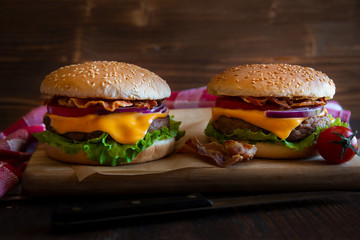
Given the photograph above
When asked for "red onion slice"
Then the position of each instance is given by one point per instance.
(162, 108)
(294, 113)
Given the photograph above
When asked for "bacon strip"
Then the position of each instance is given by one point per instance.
(85, 103)
(222, 155)
(109, 105)
(255, 101)
(236, 151)
(285, 103)
(318, 102)
(282, 103)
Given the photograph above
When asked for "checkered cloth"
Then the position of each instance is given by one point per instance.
(16, 146)
(17, 143)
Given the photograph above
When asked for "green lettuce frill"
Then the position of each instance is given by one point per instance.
(107, 151)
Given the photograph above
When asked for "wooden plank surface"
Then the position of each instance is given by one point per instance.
(185, 173)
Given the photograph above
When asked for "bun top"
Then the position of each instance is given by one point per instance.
(107, 80)
(272, 80)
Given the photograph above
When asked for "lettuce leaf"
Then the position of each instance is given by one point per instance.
(107, 151)
(253, 137)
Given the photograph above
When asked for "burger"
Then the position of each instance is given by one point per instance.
(107, 113)
(280, 108)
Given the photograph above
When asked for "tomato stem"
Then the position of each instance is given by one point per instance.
(345, 143)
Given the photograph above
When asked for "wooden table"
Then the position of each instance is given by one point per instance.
(185, 42)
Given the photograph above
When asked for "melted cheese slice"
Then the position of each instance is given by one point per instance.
(281, 127)
(126, 128)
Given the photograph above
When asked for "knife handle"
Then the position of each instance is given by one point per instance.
(106, 213)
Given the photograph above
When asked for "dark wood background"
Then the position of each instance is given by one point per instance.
(186, 42)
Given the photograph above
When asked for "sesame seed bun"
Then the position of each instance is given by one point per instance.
(107, 80)
(272, 80)
(156, 151)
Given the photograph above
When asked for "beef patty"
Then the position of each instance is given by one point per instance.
(157, 124)
(307, 127)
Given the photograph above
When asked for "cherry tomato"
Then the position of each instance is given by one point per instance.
(233, 103)
(337, 144)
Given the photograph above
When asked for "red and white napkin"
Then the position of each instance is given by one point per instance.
(17, 143)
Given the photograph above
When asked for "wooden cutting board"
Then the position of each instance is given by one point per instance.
(184, 173)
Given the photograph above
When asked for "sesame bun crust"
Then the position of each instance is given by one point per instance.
(277, 151)
(272, 80)
(107, 80)
(156, 151)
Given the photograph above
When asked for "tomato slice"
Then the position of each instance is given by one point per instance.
(236, 103)
(72, 111)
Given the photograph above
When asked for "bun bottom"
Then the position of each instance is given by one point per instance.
(158, 150)
(277, 151)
